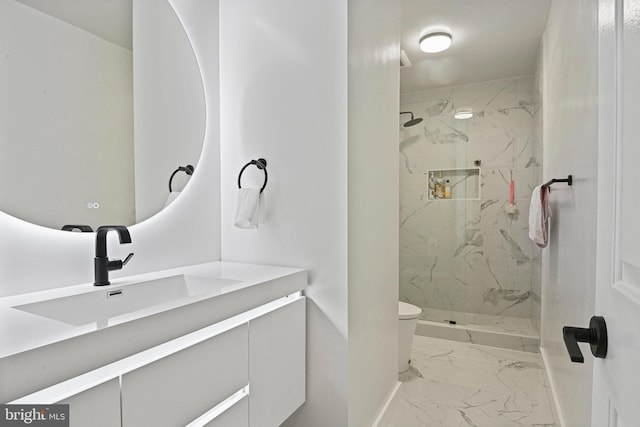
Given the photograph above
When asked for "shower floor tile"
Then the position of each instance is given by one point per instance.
(452, 384)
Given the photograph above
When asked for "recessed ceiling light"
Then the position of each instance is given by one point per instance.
(435, 42)
(463, 114)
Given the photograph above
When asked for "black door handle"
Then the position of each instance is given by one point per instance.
(596, 335)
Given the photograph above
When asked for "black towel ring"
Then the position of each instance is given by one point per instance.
(260, 164)
(186, 169)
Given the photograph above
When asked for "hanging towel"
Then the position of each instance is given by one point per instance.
(539, 214)
(171, 198)
(248, 212)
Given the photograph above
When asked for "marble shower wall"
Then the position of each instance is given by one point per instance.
(469, 255)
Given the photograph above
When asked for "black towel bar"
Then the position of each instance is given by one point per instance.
(260, 164)
(568, 180)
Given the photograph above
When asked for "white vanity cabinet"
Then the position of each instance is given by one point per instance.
(277, 364)
(179, 388)
(236, 416)
(99, 406)
(245, 371)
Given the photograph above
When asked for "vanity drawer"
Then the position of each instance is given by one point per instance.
(277, 366)
(98, 406)
(181, 387)
(236, 416)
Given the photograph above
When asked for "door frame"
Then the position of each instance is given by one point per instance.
(615, 294)
(607, 165)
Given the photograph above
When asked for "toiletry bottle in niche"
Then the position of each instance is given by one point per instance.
(447, 189)
(440, 187)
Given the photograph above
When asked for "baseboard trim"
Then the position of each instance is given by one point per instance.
(552, 385)
(387, 403)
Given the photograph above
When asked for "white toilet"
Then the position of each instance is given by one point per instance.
(407, 320)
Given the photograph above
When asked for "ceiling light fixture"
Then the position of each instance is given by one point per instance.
(435, 42)
(463, 114)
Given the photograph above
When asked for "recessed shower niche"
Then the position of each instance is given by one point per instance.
(454, 184)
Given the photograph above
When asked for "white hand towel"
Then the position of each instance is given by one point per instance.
(248, 211)
(171, 198)
(539, 214)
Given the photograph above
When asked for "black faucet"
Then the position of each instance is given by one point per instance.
(102, 264)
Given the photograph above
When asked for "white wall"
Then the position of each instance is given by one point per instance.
(284, 98)
(538, 131)
(187, 232)
(373, 31)
(570, 91)
(168, 105)
(66, 132)
(287, 93)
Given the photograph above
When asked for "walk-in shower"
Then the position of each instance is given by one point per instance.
(465, 256)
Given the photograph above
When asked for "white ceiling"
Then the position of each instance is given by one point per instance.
(492, 39)
(110, 20)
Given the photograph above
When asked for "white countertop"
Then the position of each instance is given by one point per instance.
(22, 331)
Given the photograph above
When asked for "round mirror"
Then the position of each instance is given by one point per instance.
(102, 103)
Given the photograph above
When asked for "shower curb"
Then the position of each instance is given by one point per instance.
(478, 335)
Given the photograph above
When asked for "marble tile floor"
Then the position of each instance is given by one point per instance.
(453, 384)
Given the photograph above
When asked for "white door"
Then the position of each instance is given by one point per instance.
(616, 383)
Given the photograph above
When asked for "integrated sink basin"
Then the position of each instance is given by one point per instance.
(106, 303)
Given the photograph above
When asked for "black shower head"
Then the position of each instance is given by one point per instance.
(412, 121)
